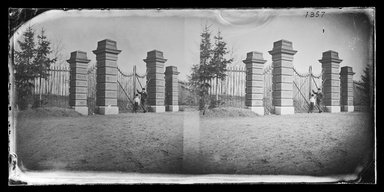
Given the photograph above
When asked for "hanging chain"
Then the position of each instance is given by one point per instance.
(268, 69)
(141, 76)
(92, 69)
(319, 75)
(300, 74)
(123, 74)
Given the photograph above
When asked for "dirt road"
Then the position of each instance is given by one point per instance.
(300, 144)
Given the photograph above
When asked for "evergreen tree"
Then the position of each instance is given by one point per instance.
(201, 73)
(213, 64)
(219, 62)
(42, 61)
(23, 67)
(31, 62)
(365, 85)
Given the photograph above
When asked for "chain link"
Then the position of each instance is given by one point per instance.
(123, 74)
(91, 69)
(141, 76)
(317, 76)
(300, 74)
(268, 69)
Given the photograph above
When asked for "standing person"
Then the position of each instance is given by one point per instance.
(312, 101)
(319, 97)
(136, 101)
(143, 98)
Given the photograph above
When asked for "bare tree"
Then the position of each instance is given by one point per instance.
(57, 51)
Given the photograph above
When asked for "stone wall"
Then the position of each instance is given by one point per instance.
(346, 79)
(106, 81)
(331, 80)
(171, 88)
(155, 78)
(254, 91)
(78, 89)
(282, 79)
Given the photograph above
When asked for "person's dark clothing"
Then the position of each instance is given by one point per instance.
(135, 107)
(143, 98)
(319, 97)
(310, 107)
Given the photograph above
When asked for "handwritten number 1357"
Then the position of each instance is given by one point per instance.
(315, 14)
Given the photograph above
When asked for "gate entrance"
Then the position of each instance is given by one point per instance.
(303, 85)
(127, 87)
(128, 84)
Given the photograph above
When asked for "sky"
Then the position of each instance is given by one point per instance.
(176, 33)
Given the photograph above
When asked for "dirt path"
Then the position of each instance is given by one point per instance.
(124, 142)
(317, 144)
(311, 144)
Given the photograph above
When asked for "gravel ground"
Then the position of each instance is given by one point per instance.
(300, 144)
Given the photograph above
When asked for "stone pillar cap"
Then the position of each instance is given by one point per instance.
(331, 53)
(282, 46)
(255, 57)
(283, 43)
(346, 70)
(78, 56)
(330, 56)
(171, 70)
(107, 45)
(155, 55)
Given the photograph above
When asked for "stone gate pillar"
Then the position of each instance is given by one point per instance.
(106, 80)
(254, 91)
(155, 78)
(331, 81)
(346, 78)
(171, 88)
(78, 81)
(282, 77)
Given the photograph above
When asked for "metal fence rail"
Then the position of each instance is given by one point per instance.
(231, 91)
(53, 91)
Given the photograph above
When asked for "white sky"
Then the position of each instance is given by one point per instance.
(177, 34)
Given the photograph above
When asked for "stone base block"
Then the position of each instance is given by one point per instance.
(81, 110)
(157, 109)
(172, 108)
(107, 110)
(348, 108)
(333, 109)
(284, 110)
(361, 108)
(257, 110)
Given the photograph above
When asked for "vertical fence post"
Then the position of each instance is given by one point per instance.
(233, 84)
(106, 79)
(134, 81)
(346, 78)
(282, 77)
(155, 77)
(54, 84)
(255, 83)
(331, 86)
(310, 81)
(79, 84)
(62, 81)
(171, 89)
(40, 91)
